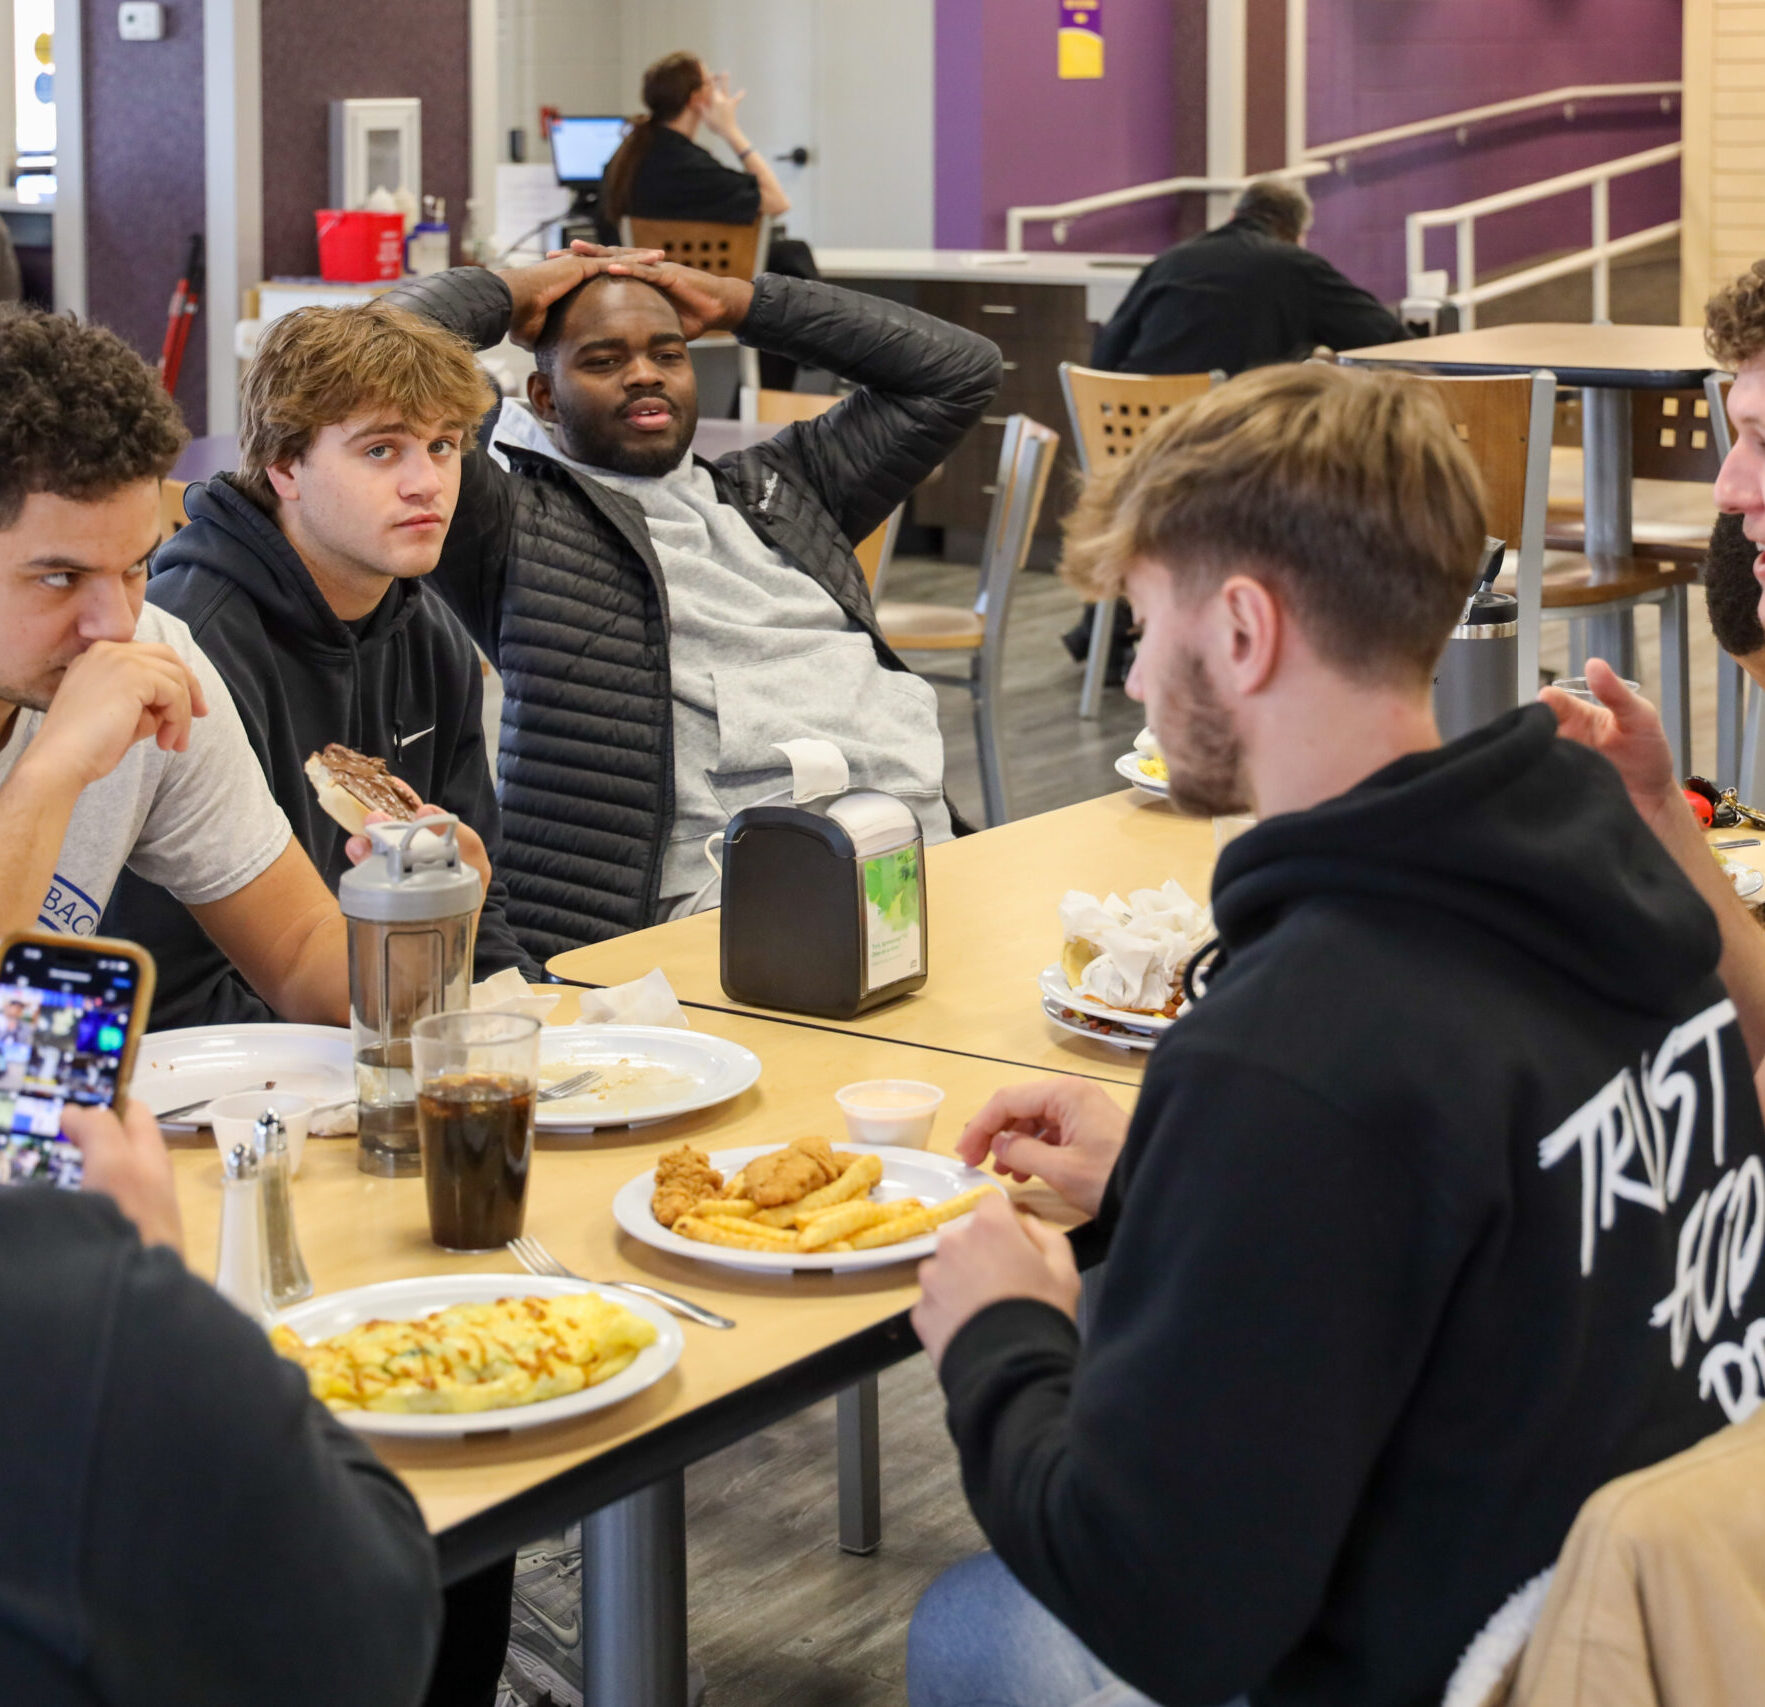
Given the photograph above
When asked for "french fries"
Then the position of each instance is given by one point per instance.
(837, 1217)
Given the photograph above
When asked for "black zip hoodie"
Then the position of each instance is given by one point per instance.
(1441, 1209)
(407, 688)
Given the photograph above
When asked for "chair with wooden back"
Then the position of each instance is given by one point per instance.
(1026, 459)
(731, 251)
(1505, 422)
(876, 549)
(1109, 413)
(172, 514)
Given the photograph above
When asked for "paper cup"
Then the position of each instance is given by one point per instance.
(234, 1120)
(890, 1111)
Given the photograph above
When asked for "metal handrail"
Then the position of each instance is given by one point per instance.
(1325, 156)
(1598, 255)
(1063, 212)
(1565, 97)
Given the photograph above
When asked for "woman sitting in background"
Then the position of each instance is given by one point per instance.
(660, 172)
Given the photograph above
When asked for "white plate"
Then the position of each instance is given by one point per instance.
(1748, 880)
(906, 1173)
(1127, 767)
(1119, 1038)
(173, 1068)
(405, 1300)
(1054, 987)
(652, 1072)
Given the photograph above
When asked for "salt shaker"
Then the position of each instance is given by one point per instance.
(239, 1269)
(285, 1280)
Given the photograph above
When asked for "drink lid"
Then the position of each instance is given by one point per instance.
(414, 874)
(1488, 607)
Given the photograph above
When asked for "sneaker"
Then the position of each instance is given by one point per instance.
(544, 1666)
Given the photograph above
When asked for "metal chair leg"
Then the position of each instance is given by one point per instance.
(986, 746)
(1097, 659)
(1731, 719)
(860, 1465)
(1676, 678)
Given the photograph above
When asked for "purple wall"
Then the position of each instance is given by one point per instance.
(317, 51)
(1374, 65)
(143, 135)
(1010, 132)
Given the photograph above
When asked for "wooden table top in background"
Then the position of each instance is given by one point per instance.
(991, 907)
(355, 1229)
(1651, 358)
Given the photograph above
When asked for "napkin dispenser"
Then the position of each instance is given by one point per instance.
(824, 905)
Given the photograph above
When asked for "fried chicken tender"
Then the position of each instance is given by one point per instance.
(788, 1174)
(684, 1179)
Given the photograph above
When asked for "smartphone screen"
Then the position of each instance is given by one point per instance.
(64, 1028)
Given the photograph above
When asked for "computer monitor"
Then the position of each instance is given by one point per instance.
(581, 147)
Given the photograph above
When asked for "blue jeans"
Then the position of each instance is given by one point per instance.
(980, 1639)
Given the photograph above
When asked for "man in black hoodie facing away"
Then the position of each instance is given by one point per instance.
(1441, 1207)
(301, 579)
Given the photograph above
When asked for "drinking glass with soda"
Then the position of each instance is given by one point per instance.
(477, 1074)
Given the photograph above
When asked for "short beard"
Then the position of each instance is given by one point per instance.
(1207, 772)
(584, 441)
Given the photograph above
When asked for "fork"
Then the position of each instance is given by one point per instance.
(570, 1086)
(536, 1259)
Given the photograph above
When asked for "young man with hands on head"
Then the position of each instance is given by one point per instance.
(301, 578)
(662, 622)
(119, 744)
(1386, 1297)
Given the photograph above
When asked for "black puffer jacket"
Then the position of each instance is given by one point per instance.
(555, 577)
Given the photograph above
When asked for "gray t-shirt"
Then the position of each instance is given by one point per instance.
(760, 653)
(201, 823)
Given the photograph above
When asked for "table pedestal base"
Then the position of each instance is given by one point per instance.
(634, 1600)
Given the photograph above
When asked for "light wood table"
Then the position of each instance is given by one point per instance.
(991, 901)
(799, 1338)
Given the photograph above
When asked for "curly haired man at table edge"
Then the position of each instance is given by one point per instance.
(1386, 1297)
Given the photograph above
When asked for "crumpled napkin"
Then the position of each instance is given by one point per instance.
(648, 1000)
(1131, 954)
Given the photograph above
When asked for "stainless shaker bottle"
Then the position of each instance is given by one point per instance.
(412, 907)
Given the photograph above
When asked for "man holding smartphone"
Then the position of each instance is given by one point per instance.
(119, 744)
(161, 1431)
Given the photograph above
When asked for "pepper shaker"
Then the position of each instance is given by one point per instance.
(239, 1268)
(285, 1280)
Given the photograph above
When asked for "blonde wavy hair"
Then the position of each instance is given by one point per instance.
(1346, 489)
(317, 367)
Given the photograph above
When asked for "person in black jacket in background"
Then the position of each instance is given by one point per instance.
(660, 621)
(182, 1521)
(1440, 1207)
(1242, 296)
(301, 579)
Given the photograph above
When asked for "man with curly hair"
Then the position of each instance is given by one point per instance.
(119, 744)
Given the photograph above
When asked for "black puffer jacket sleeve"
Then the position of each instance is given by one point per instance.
(474, 304)
(923, 384)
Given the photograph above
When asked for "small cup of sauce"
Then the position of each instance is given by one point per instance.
(890, 1111)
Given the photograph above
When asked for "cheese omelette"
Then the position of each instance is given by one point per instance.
(472, 1357)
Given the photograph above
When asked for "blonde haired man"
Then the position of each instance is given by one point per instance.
(301, 579)
(1404, 1233)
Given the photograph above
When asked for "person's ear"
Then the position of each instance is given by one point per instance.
(1251, 630)
(284, 479)
(539, 395)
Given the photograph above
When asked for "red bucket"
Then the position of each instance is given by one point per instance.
(360, 248)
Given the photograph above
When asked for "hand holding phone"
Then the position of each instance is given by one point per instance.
(127, 1160)
(71, 1014)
